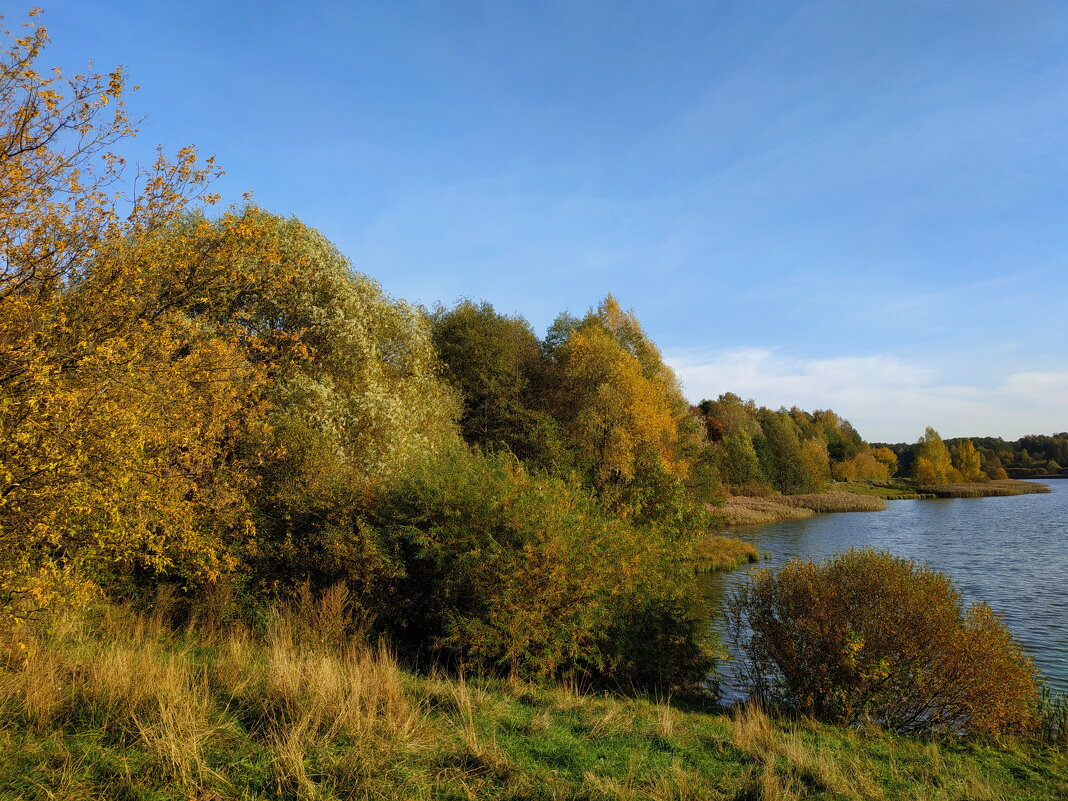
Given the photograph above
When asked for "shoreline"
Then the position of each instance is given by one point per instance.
(750, 510)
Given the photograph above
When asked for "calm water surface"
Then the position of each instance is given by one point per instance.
(1010, 552)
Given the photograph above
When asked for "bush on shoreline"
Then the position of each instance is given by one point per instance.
(869, 637)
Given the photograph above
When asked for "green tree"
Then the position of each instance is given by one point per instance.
(784, 458)
(740, 463)
(496, 365)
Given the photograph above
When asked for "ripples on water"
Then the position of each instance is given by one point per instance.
(1009, 552)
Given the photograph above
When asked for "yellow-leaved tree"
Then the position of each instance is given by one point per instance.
(933, 464)
(623, 411)
(119, 405)
(968, 461)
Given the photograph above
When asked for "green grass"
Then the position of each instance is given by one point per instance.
(890, 490)
(119, 707)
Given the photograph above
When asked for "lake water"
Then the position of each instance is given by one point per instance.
(1010, 552)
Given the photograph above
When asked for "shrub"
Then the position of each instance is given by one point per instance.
(870, 637)
(528, 574)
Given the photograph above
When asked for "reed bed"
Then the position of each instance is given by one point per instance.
(723, 553)
(986, 489)
(836, 502)
(748, 511)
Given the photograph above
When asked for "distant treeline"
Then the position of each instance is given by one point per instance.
(1033, 456)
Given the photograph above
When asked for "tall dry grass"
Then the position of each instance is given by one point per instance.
(747, 511)
(986, 489)
(300, 689)
(836, 502)
(722, 553)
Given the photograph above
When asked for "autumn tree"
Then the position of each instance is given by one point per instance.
(732, 414)
(624, 415)
(887, 457)
(933, 464)
(115, 404)
(968, 462)
(861, 467)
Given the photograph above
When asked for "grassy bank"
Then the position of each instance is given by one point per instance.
(119, 707)
(986, 489)
(723, 553)
(893, 490)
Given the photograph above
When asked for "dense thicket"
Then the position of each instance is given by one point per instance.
(758, 450)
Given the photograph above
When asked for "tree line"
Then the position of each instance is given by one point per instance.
(983, 458)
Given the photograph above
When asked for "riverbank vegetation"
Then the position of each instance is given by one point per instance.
(990, 489)
(750, 511)
(866, 637)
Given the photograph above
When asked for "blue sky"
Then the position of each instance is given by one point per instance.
(856, 205)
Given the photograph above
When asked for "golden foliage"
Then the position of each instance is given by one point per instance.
(624, 407)
(869, 637)
(933, 464)
(862, 467)
(968, 461)
(116, 408)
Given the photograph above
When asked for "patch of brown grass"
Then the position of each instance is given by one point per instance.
(745, 510)
(986, 489)
(836, 502)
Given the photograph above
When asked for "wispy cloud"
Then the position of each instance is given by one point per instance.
(885, 397)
